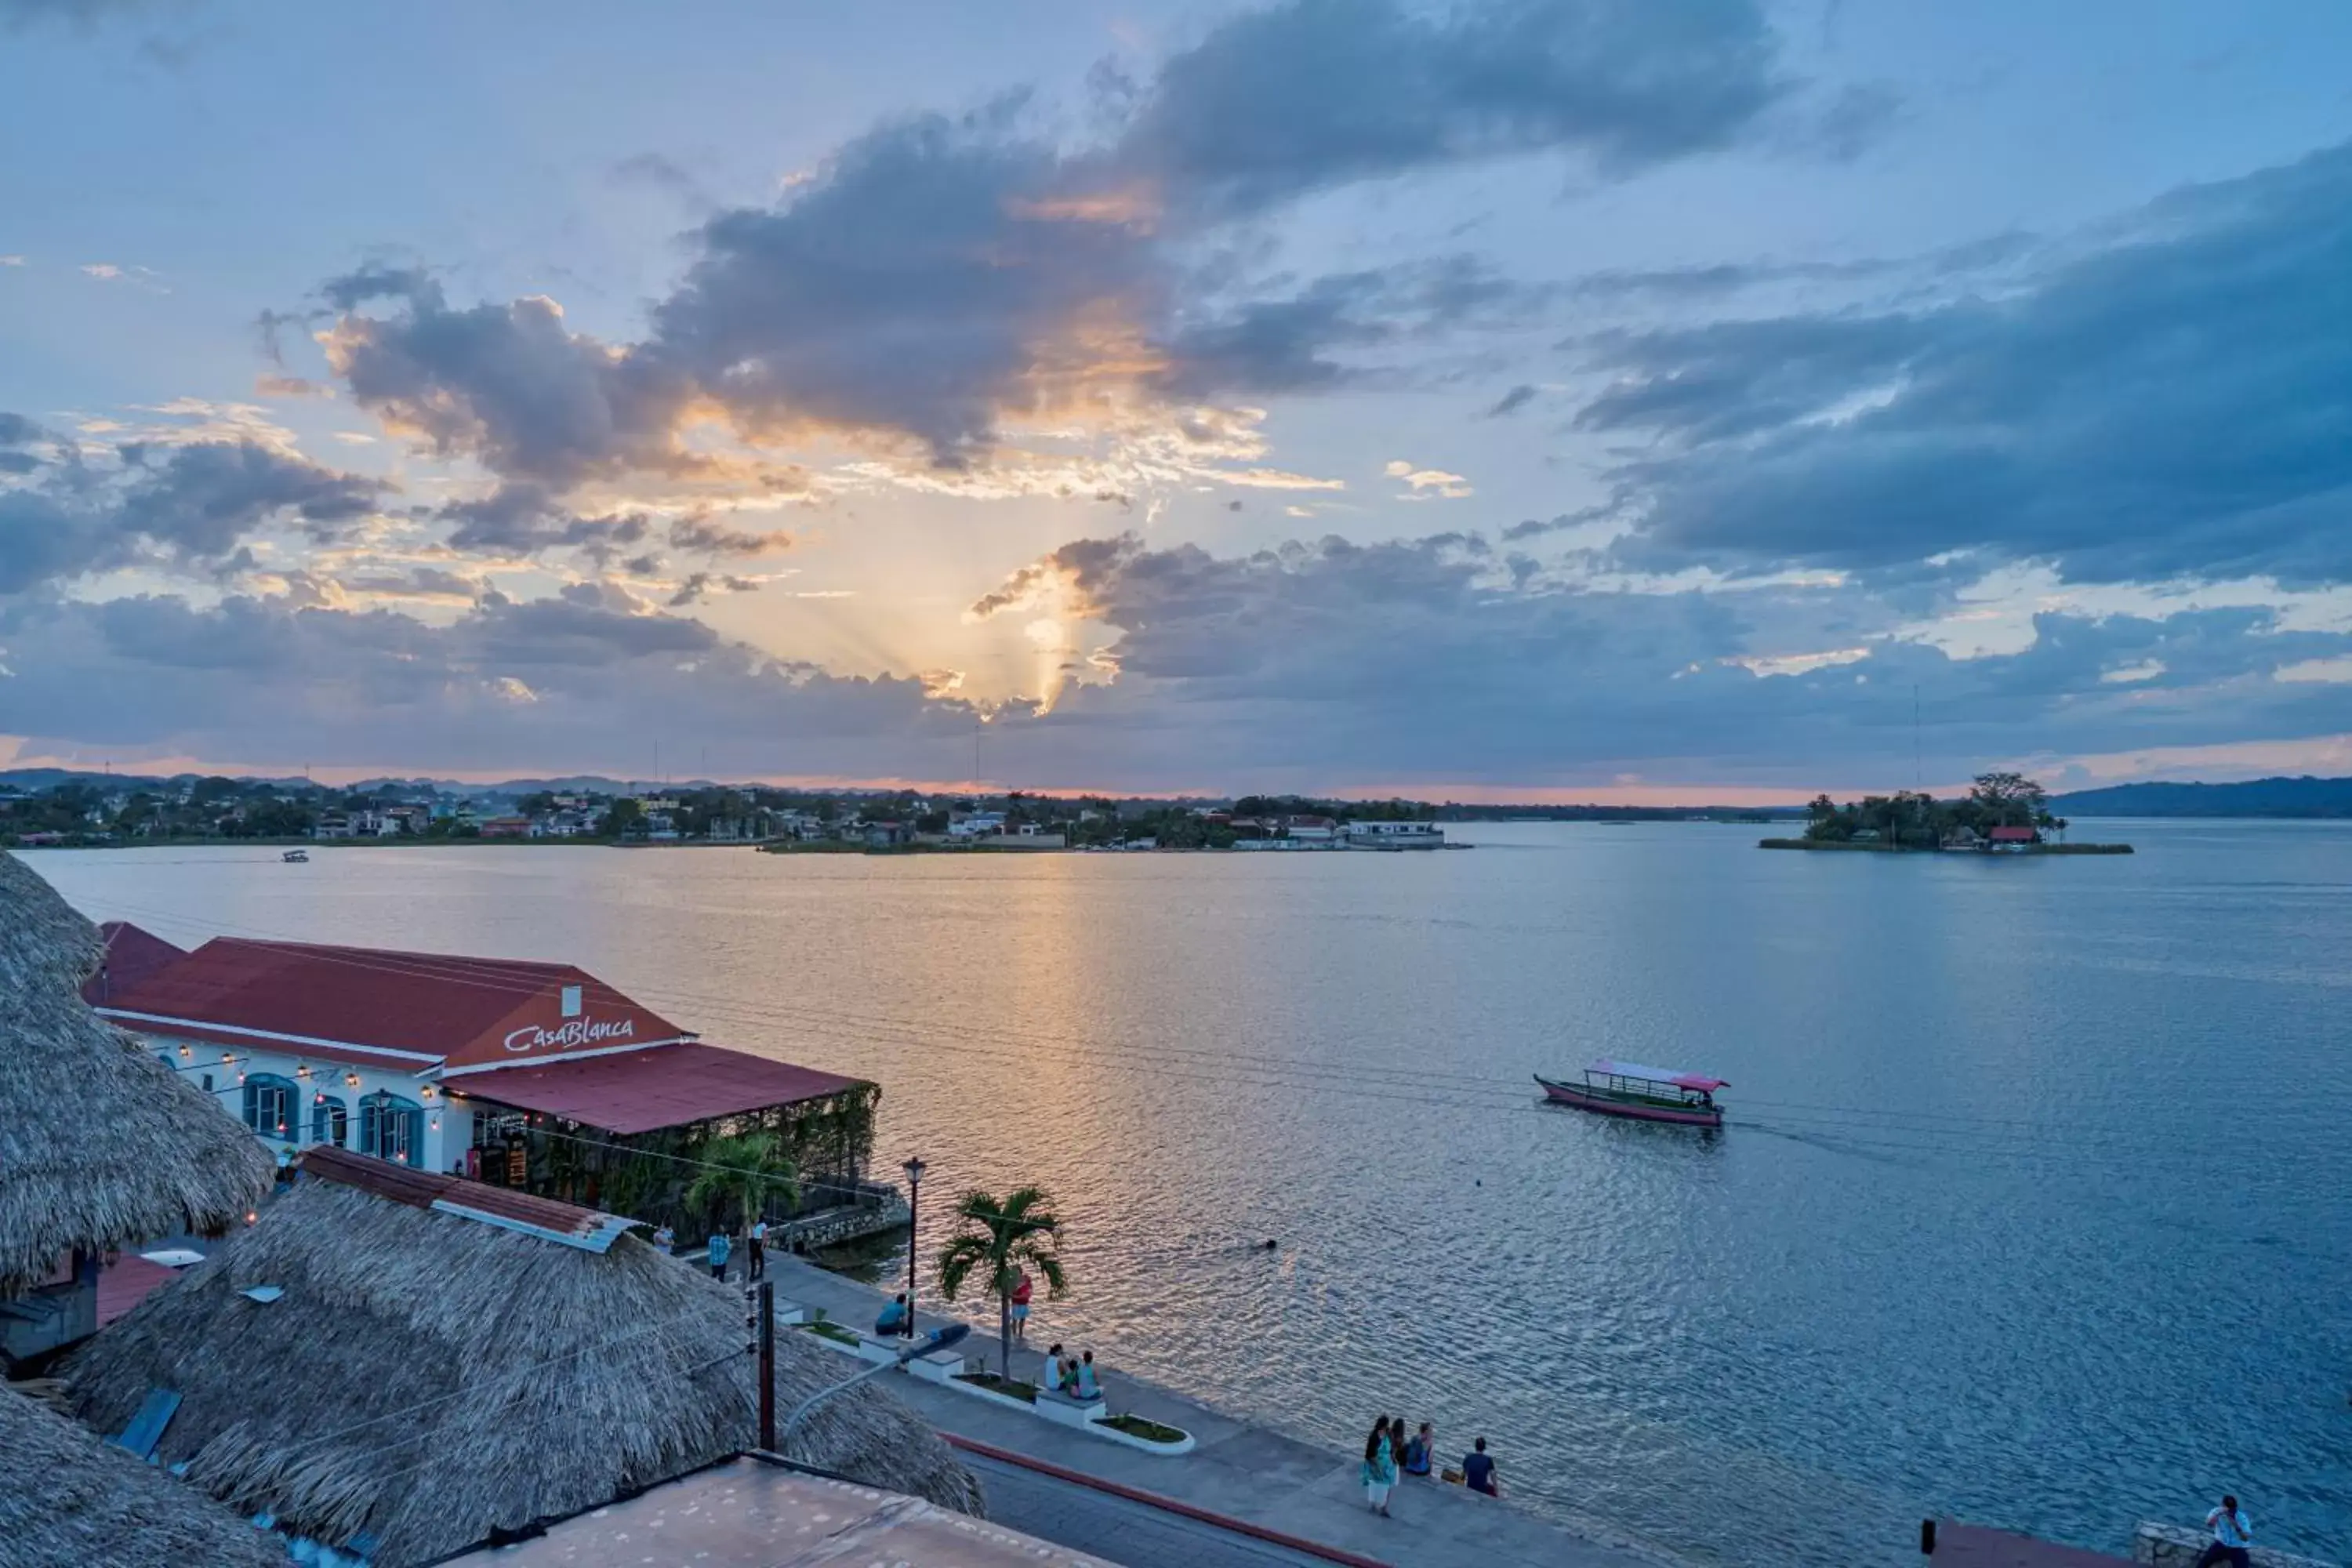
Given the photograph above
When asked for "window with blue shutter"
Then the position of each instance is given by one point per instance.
(330, 1123)
(391, 1128)
(269, 1102)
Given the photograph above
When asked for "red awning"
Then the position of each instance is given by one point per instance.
(638, 1091)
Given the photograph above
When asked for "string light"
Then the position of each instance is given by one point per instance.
(302, 1069)
(185, 1053)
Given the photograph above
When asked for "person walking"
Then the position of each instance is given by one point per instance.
(1478, 1470)
(760, 1249)
(1419, 1454)
(2233, 1535)
(1380, 1468)
(720, 1246)
(1021, 1291)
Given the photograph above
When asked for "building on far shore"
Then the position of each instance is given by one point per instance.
(529, 1075)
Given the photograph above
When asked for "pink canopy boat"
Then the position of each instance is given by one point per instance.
(1644, 1094)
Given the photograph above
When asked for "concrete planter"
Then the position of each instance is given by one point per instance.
(973, 1390)
(879, 1352)
(829, 1342)
(1183, 1445)
(1065, 1412)
(938, 1366)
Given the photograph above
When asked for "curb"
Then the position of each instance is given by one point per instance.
(1153, 1499)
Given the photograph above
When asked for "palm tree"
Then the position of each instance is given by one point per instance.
(998, 1239)
(747, 1168)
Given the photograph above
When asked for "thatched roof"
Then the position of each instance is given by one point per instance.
(101, 1144)
(64, 1497)
(429, 1376)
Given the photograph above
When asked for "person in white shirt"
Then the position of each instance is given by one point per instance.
(2232, 1535)
(758, 1248)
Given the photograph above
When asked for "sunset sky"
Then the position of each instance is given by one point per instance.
(1552, 398)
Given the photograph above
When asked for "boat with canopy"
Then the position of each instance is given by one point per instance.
(1642, 1093)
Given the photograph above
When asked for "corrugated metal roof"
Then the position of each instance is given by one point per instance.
(747, 1511)
(476, 1010)
(131, 955)
(638, 1091)
(590, 1230)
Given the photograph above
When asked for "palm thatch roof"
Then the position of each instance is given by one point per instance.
(428, 1375)
(64, 1496)
(101, 1144)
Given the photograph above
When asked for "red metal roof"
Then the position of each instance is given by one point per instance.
(131, 955)
(468, 1011)
(545, 1217)
(127, 1281)
(2012, 835)
(637, 1091)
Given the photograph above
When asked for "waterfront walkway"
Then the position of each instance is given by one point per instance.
(1239, 1471)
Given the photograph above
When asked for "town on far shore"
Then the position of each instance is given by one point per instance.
(84, 813)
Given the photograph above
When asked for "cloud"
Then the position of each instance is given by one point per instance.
(192, 507)
(508, 385)
(1276, 103)
(2166, 404)
(262, 681)
(1511, 401)
(704, 535)
(1433, 659)
(1428, 484)
(939, 276)
(525, 519)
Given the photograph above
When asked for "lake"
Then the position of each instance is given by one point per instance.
(2034, 1209)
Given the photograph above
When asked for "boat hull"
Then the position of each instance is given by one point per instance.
(1631, 1110)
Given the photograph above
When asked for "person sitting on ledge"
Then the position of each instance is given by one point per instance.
(893, 1319)
(1082, 1383)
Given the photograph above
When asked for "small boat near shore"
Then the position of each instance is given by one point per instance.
(1642, 1094)
(296, 857)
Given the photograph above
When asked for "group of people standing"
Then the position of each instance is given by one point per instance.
(1389, 1453)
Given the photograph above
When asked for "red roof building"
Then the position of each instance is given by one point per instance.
(525, 1073)
(131, 955)
(2013, 835)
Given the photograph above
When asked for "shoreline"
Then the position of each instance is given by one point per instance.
(1239, 1468)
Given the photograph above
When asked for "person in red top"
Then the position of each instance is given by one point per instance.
(1020, 1307)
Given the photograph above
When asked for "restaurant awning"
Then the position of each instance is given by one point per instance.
(639, 1092)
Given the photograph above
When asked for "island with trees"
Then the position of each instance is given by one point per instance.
(2003, 814)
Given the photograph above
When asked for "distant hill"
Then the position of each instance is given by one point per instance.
(2255, 797)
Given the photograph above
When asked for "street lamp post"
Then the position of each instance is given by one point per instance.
(914, 1168)
(938, 1339)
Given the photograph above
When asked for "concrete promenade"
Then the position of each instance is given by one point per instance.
(1240, 1471)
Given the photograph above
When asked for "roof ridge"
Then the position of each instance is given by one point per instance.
(552, 965)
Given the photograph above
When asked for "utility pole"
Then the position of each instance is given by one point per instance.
(764, 1298)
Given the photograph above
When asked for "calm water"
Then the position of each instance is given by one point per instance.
(2036, 1212)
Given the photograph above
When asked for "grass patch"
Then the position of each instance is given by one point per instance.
(1010, 1387)
(1150, 1431)
(831, 1330)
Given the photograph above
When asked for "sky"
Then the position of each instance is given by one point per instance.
(1547, 399)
